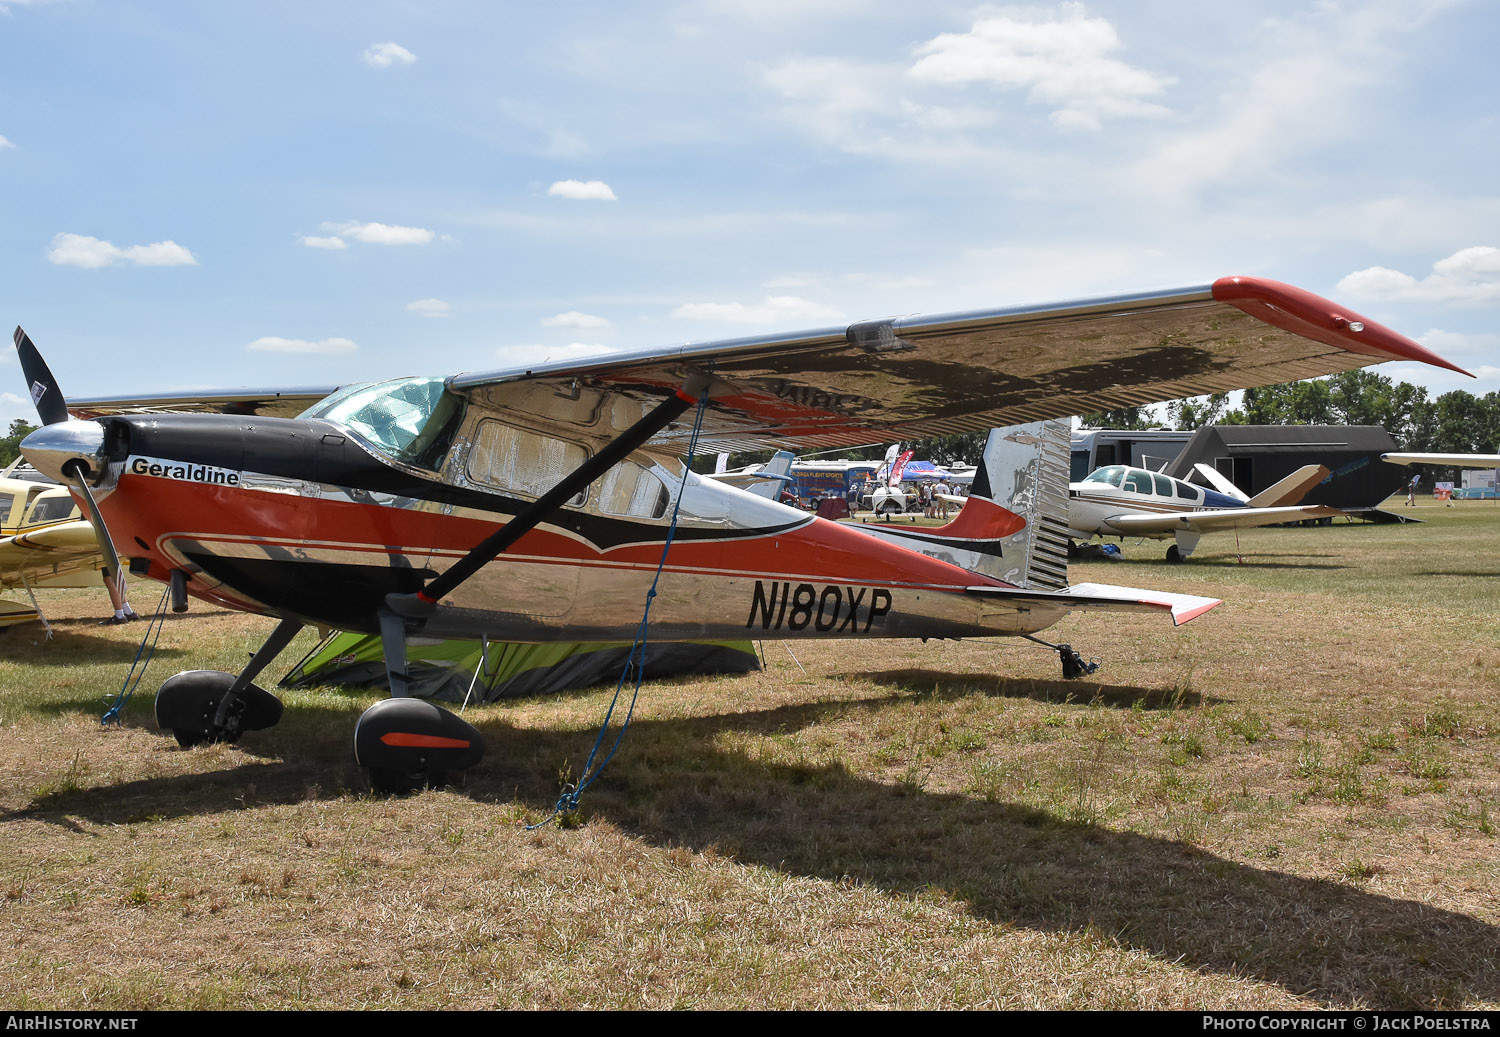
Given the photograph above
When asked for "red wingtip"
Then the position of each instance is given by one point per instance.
(1314, 317)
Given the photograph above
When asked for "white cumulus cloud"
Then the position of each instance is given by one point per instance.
(574, 319)
(1469, 276)
(275, 344)
(384, 55)
(5, 143)
(583, 190)
(378, 233)
(429, 308)
(1062, 61)
(92, 253)
(775, 309)
(333, 242)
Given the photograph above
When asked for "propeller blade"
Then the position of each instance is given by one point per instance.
(52, 408)
(48, 398)
(101, 531)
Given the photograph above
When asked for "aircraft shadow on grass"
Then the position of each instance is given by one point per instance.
(947, 686)
(1013, 865)
(1260, 562)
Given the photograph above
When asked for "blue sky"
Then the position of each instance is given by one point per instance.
(219, 194)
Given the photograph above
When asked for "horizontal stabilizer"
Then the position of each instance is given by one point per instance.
(1291, 489)
(1183, 607)
(1218, 481)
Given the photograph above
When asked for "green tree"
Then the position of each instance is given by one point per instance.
(1127, 418)
(1197, 411)
(10, 445)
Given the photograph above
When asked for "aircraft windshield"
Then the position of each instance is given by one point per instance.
(410, 419)
(1112, 475)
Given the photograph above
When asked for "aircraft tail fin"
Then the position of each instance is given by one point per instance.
(774, 472)
(1024, 472)
(1291, 489)
(1220, 483)
(1013, 526)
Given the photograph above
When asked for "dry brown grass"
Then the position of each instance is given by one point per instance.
(1291, 802)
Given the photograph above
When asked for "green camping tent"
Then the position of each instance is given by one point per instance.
(445, 669)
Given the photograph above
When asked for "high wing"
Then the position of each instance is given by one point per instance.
(917, 377)
(921, 376)
(1210, 521)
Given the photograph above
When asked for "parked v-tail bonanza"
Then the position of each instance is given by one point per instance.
(1120, 501)
(43, 542)
(539, 504)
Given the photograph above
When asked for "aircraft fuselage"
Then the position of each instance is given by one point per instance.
(1121, 490)
(303, 519)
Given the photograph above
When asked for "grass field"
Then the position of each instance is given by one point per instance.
(1289, 803)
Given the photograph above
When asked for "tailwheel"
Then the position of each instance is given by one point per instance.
(406, 744)
(188, 705)
(1073, 664)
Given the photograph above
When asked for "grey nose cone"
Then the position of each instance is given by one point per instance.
(54, 449)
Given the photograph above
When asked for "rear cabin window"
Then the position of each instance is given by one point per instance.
(521, 461)
(1163, 485)
(1188, 492)
(50, 509)
(629, 490)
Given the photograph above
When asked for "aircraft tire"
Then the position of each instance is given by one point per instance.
(187, 703)
(407, 744)
(1174, 556)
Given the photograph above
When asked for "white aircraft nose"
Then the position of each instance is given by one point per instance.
(54, 449)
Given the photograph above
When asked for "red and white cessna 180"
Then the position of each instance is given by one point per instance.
(535, 504)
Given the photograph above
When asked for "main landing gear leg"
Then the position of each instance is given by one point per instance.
(1073, 665)
(406, 744)
(201, 706)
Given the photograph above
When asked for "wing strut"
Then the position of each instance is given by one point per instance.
(424, 602)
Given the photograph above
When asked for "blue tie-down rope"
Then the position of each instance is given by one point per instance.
(133, 678)
(567, 803)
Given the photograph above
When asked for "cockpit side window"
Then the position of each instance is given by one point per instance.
(1163, 486)
(1139, 482)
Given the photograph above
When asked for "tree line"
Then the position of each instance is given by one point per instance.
(1456, 422)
